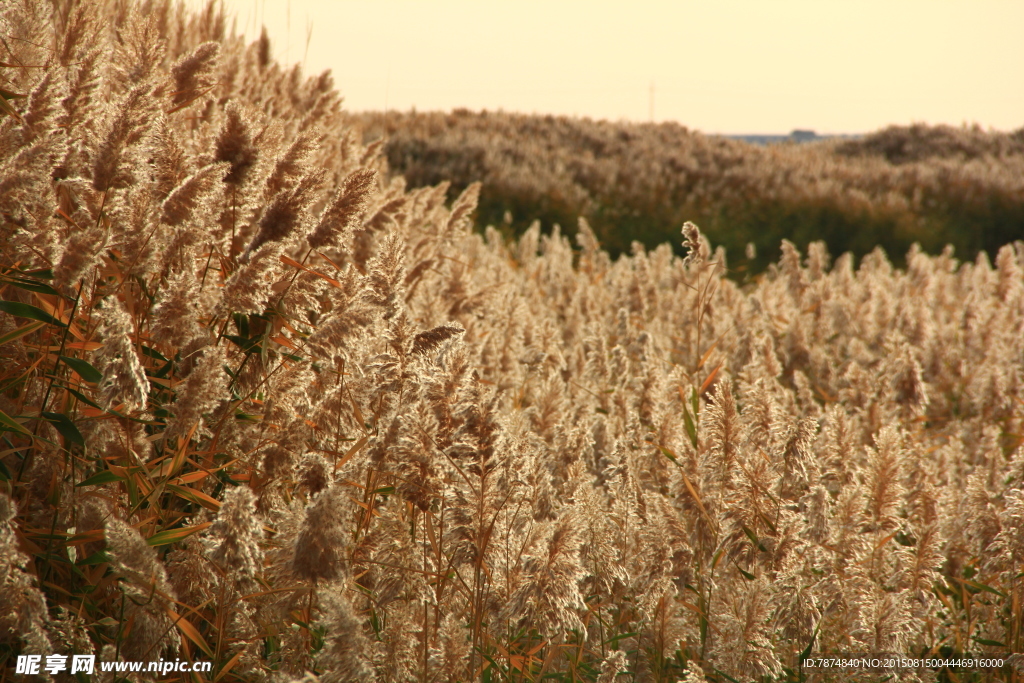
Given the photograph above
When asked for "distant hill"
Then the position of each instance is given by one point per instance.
(795, 136)
(935, 185)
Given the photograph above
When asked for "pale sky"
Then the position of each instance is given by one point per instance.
(719, 66)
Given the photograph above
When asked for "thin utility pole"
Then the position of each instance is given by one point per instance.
(309, 38)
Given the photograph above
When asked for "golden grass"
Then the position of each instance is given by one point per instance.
(263, 406)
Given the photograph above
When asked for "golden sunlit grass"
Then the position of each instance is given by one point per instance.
(261, 405)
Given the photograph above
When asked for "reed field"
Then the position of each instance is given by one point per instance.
(265, 404)
(931, 185)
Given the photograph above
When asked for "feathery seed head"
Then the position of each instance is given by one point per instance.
(182, 201)
(117, 159)
(236, 534)
(236, 144)
(697, 245)
(193, 72)
(321, 543)
(286, 211)
(344, 210)
(147, 586)
(124, 379)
